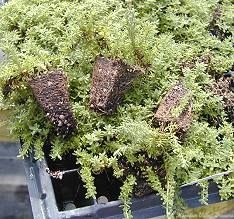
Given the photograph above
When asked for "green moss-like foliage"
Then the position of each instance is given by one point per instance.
(158, 36)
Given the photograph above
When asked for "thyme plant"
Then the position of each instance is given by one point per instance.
(158, 36)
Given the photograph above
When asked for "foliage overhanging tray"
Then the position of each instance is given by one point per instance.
(45, 201)
(190, 42)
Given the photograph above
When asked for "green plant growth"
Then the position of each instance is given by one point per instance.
(40, 35)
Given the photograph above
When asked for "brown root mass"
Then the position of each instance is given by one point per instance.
(191, 64)
(185, 119)
(51, 92)
(110, 81)
(223, 88)
(170, 101)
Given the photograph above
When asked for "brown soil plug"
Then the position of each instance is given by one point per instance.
(223, 88)
(191, 64)
(110, 81)
(51, 92)
(173, 99)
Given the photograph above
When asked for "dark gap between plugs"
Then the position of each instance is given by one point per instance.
(69, 191)
(107, 186)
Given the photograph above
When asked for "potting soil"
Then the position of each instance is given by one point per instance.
(51, 93)
(172, 100)
(110, 80)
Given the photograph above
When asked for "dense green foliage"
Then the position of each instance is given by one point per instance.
(158, 36)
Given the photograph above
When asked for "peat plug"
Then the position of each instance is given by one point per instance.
(51, 92)
(172, 100)
(224, 88)
(110, 81)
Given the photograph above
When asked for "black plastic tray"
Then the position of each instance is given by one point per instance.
(44, 204)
